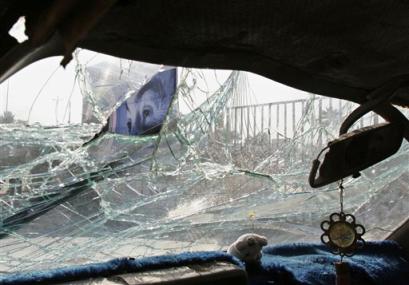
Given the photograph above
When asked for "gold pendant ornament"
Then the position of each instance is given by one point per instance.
(342, 234)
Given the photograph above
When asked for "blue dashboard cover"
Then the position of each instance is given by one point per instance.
(290, 264)
(115, 267)
(312, 264)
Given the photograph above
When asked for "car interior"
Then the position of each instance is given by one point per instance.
(204, 142)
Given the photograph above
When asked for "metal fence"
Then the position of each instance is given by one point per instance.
(317, 120)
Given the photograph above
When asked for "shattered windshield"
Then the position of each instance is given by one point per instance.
(230, 155)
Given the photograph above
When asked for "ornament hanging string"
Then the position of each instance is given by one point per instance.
(341, 195)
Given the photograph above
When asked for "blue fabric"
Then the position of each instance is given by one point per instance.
(115, 266)
(290, 264)
(377, 263)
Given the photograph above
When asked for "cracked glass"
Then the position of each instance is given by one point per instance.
(222, 165)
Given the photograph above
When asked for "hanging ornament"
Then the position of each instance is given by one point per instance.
(341, 232)
(343, 236)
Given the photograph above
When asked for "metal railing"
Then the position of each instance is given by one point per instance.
(316, 120)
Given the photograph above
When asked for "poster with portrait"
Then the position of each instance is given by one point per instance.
(144, 111)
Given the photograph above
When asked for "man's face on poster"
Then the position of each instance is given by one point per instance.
(146, 112)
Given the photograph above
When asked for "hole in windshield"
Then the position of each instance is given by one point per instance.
(18, 30)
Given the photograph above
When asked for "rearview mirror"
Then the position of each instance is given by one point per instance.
(355, 151)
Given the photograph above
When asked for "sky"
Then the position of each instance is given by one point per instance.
(46, 93)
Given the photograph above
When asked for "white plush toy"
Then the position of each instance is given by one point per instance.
(248, 248)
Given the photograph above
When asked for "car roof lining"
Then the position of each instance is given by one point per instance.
(334, 48)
